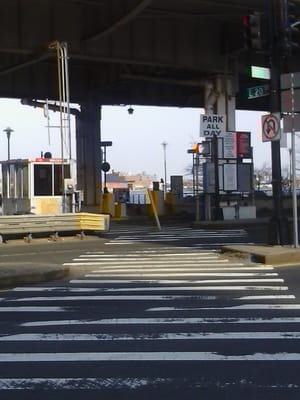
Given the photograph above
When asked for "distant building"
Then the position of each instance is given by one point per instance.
(121, 180)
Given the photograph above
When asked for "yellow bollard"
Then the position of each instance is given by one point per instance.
(120, 210)
(169, 203)
(154, 209)
(107, 204)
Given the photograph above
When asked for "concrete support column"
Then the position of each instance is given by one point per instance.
(220, 99)
(88, 137)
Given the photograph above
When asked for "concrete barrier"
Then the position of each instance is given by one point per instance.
(53, 224)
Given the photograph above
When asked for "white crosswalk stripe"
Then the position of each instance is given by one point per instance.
(152, 307)
(171, 234)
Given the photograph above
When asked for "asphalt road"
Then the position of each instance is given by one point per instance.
(149, 314)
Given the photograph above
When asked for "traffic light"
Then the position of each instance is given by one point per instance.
(253, 31)
(291, 36)
(195, 148)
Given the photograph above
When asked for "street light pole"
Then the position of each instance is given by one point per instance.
(8, 131)
(164, 144)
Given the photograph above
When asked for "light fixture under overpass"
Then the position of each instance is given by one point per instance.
(8, 132)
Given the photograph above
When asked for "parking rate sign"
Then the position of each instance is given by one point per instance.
(212, 125)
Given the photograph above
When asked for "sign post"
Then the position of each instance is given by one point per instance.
(289, 82)
(213, 126)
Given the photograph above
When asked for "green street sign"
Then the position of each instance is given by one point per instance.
(254, 71)
(258, 91)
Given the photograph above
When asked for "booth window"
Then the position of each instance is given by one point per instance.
(4, 180)
(12, 181)
(25, 181)
(58, 184)
(19, 181)
(43, 180)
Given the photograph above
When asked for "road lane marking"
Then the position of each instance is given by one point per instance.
(186, 288)
(239, 307)
(147, 263)
(55, 289)
(169, 320)
(218, 268)
(268, 297)
(32, 309)
(79, 337)
(139, 239)
(161, 250)
(145, 356)
(80, 383)
(118, 383)
(157, 258)
(193, 284)
(149, 281)
(141, 298)
(114, 281)
(153, 297)
(155, 255)
(217, 274)
(165, 236)
(141, 273)
(201, 268)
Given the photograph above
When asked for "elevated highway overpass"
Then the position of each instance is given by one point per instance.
(146, 52)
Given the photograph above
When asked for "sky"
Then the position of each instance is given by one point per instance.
(137, 138)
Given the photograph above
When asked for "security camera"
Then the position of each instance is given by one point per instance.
(130, 110)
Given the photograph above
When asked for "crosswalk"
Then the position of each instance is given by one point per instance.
(199, 238)
(152, 319)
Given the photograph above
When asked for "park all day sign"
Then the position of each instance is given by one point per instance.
(212, 125)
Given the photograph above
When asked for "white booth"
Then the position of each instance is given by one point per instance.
(38, 186)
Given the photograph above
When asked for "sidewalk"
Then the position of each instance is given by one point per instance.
(271, 255)
(265, 254)
(231, 223)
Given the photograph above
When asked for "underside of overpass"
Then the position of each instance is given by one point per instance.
(145, 52)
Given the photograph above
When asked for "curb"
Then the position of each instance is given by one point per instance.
(231, 224)
(271, 255)
(9, 281)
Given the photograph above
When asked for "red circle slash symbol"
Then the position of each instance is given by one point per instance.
(270, 127)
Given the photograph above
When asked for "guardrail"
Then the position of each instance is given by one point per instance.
(53, 224)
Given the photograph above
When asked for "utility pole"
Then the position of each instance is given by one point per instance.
(64, 105)
(218, 215)
(278, 225)
(289, 21)
(164, 144)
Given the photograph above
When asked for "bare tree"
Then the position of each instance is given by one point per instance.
(262, 175)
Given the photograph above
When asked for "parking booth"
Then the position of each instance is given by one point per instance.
(38, 186)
